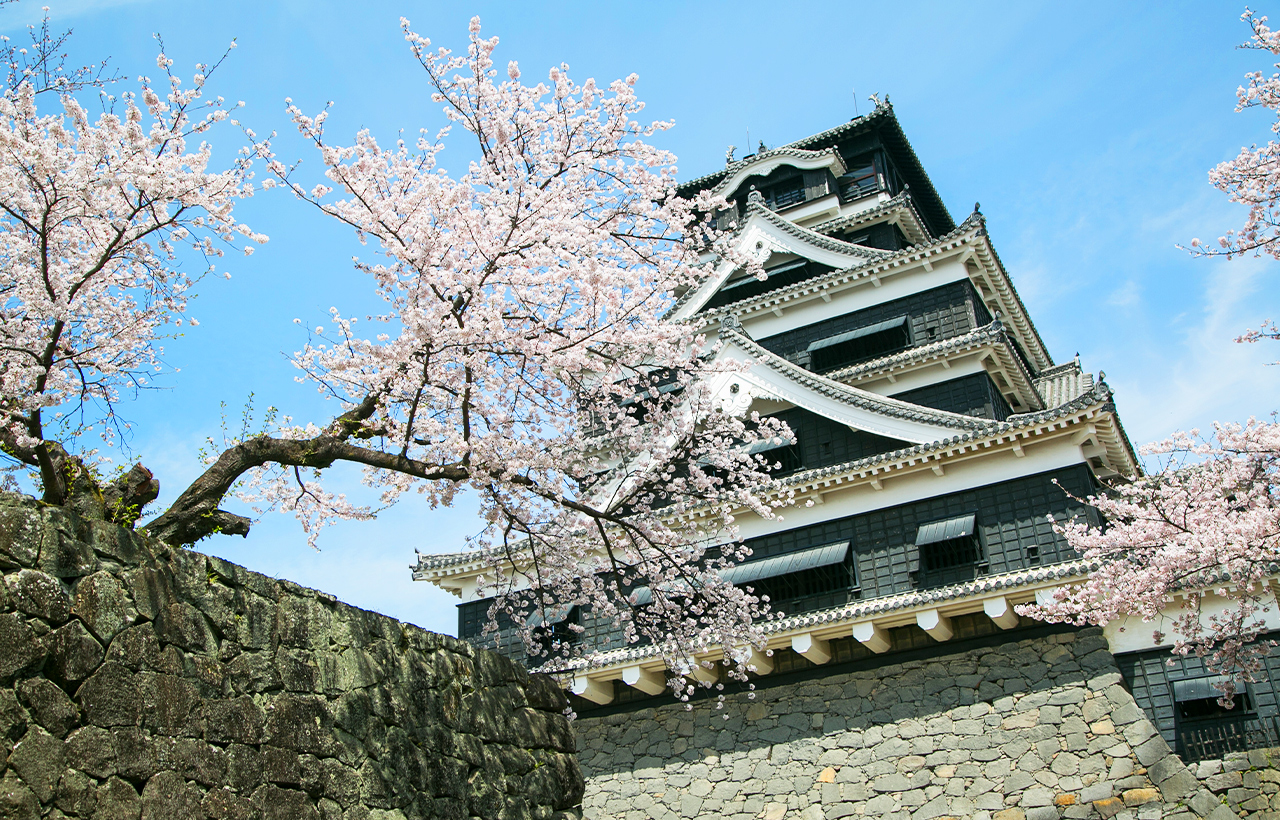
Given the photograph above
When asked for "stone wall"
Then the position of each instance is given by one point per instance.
(1248, 782)
(139, 682)
(1037, 729)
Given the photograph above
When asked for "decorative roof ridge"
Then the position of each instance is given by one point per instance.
(1124, 439)
(444, 560)
(1013, 424)
(899, 201)
(974, 221)
(847, 394)
(757, 208)
(903, 600)
(1059, 369)
(882, 605)
(715, 176)
(882, 110)
(1017, 298)
(993, 330)
(885, 110)
(730, 171)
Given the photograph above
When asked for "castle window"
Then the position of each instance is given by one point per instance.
(801, 581)
(785, 194)
(948, 552)
(553, 627)
(779, 276)
(859, 182)
(1206, 728)
(870, 342)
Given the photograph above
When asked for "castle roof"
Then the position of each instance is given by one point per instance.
(882, 122)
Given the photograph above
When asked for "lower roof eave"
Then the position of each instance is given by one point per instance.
(994, 595)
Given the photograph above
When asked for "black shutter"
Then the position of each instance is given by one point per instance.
(816, 184)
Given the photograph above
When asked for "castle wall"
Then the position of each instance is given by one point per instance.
(138, 681)
(1035, 729)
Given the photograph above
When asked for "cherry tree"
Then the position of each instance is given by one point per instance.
(1252, 178)
(1203, 531)
(92, 214)
(522, 354)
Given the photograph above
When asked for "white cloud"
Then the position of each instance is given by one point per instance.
(1196, 373)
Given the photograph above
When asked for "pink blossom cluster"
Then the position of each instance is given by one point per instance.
(1203, 529)
(523, 354)
(1253, 176)
(92, 214)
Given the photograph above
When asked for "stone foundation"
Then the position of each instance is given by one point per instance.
(1037, 729)
(139, 682)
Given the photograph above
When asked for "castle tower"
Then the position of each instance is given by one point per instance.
(936, 435)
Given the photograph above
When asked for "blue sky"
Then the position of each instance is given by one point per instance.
(1084, 129)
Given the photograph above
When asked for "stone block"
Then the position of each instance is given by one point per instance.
(49, 706)
(17, 802)
(174, 706)
(1097, 791)
(38, 759)
(1036, 797)
(1140, 797)
(62, 554)
(245, 768)
(224, 804)
(117, 800)
(1179, 785)
(103, 604)
(76, 794)
(40, 595)
(1152, 751)
(1223, 781)
(136, 754)
(238, 720)
(20, 649)
(111, 697)
(168, 797)
(91, 750)
(74, 654)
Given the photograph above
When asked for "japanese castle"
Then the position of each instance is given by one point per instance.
(936, 434)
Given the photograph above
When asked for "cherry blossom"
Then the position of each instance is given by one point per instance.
(93, 212)
(1205, 525)
(523, 356)
(1253, 176)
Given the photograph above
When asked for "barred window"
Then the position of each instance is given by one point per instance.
(948, 552)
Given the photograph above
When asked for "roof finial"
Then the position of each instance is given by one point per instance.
(730, 320)
(875, 99)
(728, 155)
(762, 148)
(997, 322)
(977, 207)
(755, 196)
(1102, 377)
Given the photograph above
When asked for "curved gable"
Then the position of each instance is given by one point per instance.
(765, 233)
(766, 163)
(772, 377)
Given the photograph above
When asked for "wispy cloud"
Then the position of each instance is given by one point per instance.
(1194, 372)
(1127, 295)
